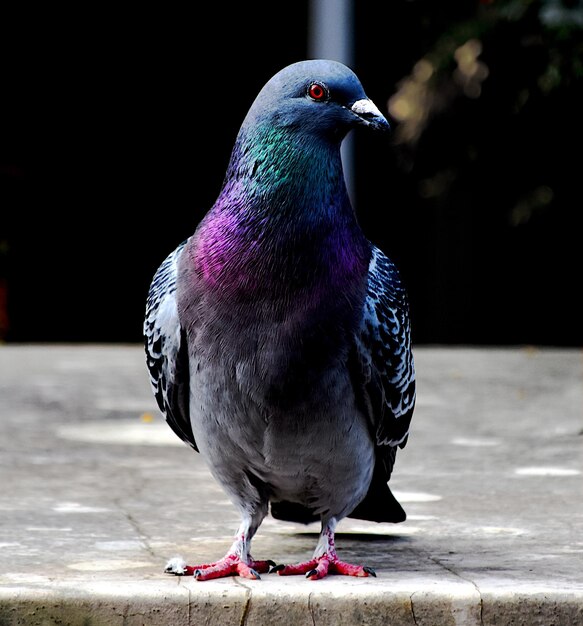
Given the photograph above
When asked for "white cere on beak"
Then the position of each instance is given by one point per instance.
(368, 112)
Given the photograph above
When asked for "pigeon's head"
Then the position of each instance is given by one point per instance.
(319, 97)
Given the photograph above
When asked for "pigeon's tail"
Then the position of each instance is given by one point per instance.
(379, 505)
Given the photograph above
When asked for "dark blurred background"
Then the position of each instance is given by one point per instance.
(120, 145)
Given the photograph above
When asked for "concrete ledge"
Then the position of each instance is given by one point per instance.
(97, 493)
(255, 603)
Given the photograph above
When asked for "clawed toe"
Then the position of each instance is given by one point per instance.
(274, 569)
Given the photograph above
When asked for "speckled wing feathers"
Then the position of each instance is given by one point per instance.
(384, 350)
(167, 351)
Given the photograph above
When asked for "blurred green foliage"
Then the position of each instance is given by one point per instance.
(532, 53)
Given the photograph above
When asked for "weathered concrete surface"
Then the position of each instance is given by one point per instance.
(96, 493)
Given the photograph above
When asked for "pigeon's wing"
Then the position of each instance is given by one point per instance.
(166, 349)
(385, 360)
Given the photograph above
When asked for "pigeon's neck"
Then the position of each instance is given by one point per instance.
(283, 220)
(278, 166)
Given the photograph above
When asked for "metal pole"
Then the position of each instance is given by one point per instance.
(331, 36)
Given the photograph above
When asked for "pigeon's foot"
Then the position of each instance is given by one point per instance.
(230, 565)
(322, 566)
(325, 560)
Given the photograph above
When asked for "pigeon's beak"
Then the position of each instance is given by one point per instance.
(369, 114)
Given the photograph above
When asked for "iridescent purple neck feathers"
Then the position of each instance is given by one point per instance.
(283, 220)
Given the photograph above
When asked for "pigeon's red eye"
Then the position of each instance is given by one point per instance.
(317, 92)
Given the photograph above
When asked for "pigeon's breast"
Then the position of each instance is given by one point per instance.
(278, 313)
(282, 414)
(279, 358)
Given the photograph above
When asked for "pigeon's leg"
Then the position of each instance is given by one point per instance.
(237, 561)
(325, 560)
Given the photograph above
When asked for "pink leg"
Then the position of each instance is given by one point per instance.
(237, 561)
(325, 560)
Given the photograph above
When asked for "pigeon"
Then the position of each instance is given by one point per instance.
(278, 337)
